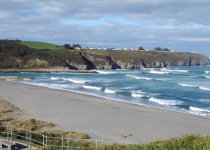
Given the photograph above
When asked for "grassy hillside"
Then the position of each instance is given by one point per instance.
(41, 45)
(29, 54)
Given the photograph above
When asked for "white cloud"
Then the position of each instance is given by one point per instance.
(181, 25)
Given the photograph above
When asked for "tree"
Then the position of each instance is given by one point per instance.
(166, 49)
(67, 46)
(157, 49)
(76, 45)
(141, 48)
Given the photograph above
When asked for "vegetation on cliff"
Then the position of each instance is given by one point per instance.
(18, 54)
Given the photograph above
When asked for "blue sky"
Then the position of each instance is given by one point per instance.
(177, 25)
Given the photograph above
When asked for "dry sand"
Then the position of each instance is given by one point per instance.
(100, 118)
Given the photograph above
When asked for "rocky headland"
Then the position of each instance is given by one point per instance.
(14, 55)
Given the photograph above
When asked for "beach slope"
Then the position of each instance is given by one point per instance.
(101, 118)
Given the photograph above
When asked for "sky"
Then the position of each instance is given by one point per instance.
(182, 25)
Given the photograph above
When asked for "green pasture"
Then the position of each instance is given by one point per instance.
(42, 45)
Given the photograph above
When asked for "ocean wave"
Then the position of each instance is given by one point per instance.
(138, 91)
(199, 109)
(159, 72)
(204, 100)
(187, 85)
(204, 88)
(165, 102)
(147, 69)
(109, 91)
(161, 79)
(54, 78)
(142, 78)
(127, 87)
(208, 77)
(92, 87)
(74, 80)
(104, 72)
(181, 71)
(207, 72)
(136, 95)
(138, 77)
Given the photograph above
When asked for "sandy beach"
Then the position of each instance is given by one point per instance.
(98, 117)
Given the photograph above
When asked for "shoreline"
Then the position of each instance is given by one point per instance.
(99, 117)
(120, 100)
(45, 71)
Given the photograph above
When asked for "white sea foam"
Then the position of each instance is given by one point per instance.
(92, 87)
(138, 91)
(204, 88)
(142, 78)
(187, 85)
(128, 75)
(127, 88)
(139, 77)
(162, 79)
(181, 71)
(159, 72)
(104, 72)
(136, 95)
(204, 100)
(74, 80)
(196, 109)
(77, 81)
(54, 78)
(207, 72)
(208, 77)
(164, 102)
(109, 91)
(58, 86)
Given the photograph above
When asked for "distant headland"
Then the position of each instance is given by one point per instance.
(16, 54)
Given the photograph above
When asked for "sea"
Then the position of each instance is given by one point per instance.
(180, 89)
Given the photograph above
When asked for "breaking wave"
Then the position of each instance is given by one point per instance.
(74, 80)
(181, 71)
(159, 72)
(199, 109)
(187, 85)
(109, 91)
(208, 77)
(92, 87)
(136, 95)
(165, 102)
(204, 88)
(104, 72)
(54, 78)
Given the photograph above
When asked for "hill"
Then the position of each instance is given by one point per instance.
(17, 54)
(41, 45)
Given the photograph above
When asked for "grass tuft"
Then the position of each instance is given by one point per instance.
(5, 110)
(31, 124)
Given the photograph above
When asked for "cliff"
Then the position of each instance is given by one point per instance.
(16, 56)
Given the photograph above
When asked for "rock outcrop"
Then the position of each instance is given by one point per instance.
(151, 60)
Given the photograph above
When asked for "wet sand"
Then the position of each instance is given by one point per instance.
(98, 117)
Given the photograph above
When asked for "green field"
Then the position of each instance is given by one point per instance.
(41, 45)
